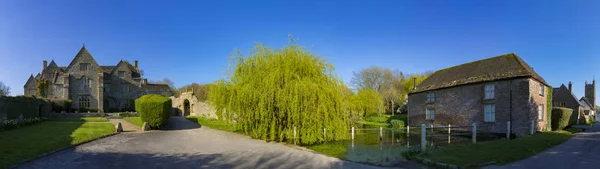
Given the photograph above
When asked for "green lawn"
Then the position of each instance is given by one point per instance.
(383, 119)
(134, 120)
(22, 143)
(213, 123)
(500, 151)
(82, 119)
(333, 149)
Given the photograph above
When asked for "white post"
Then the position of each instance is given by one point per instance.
(325, 133)
(449, 133)
(474, 135)
(431, 128)
(532, 126)
(423, 138)
(352, 133)
(380, 134)
(407, 131)
(508, 130)
(294, 135)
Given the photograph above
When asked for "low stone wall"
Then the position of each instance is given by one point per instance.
(76, 115)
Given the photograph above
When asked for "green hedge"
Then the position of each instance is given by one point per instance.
(153, 109)
(560, 117)
(27, 106)
(397, 123)
(59, 105)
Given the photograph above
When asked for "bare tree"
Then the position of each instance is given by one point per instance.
(4, 89)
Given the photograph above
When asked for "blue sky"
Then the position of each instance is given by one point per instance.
(191, 41)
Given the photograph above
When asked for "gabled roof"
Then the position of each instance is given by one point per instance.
(136, 72)
(83, 52)
(563, 89)
(491, 69)
(586, 104)
(30, 80)
(108, 68)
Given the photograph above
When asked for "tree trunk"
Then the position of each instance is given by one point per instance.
(393, 108)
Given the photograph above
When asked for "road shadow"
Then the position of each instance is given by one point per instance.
(179, 123)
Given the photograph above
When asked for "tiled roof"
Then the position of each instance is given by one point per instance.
(491, 69)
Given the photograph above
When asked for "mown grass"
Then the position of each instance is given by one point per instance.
(333, 149)
(134, 120)
(22, 143)
(500, 151)
(213, 123)
(383, 119)
(82, 119)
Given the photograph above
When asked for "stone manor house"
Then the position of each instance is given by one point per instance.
(488, 92)
(92, 86)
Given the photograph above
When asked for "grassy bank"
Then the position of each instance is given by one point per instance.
(213, 123)
(134, 120)
(383, 119)
(82, 119)
(500, 151)
(22, 143)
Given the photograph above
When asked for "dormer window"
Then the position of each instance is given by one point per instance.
(430, 97)
(83, 66)
(489, 91)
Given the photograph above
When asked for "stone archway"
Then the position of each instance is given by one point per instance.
(186, 108)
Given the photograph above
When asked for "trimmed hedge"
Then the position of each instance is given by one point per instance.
(154, 109)
(560, 117)
(59, 105)
(24, 106)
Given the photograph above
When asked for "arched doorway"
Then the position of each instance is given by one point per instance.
(186, 107)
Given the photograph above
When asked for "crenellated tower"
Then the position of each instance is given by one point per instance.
(590, 93)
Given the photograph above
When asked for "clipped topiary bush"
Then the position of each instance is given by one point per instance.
(560, 117)
(59, 105)
(153, 109)
(397, 123)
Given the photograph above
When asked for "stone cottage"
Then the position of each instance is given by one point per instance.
(564, 97)
(489, 92)
(94, 87)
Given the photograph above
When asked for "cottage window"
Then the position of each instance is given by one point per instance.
(541, 112)
(121, 74)
(489, 91)
(430, 97)
(430, 114)
(83, 66)
(489, 112)
(57, 91)
(542, 89)
(84, 102)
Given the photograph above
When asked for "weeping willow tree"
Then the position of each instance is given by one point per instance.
(271, 92)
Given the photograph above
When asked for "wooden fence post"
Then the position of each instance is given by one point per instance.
(423, 138)
(380, 134)
(449, 133)
(352, 133)
(294, 135)
(325, 133)
(474, 135)
(508, 130)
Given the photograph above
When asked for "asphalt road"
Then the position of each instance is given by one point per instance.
(187, 145)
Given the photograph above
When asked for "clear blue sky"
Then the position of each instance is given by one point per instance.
(190, 41)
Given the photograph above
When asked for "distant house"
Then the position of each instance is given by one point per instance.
(489, 92)
(564, 97)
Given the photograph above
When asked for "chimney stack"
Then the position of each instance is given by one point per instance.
(145, 82)
(570, 86)
(45, 64)
(135, 64)
(414, 84)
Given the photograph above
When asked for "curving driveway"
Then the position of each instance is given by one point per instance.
(581, 151)
(186, 145)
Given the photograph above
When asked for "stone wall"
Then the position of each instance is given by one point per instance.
(463, 105)
(197, 108)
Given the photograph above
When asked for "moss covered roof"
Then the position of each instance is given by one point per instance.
(491, 69)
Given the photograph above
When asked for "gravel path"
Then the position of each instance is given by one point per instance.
(127, 126)
(187, 145)
(581, 151)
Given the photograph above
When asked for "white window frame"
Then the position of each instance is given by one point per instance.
(429, 114)
(542, 89)
(85, 83)
(121, 74)
(83, 66)
(489, 91)
(84, 101)
(430, 97)
(541, 112)
(489, 112)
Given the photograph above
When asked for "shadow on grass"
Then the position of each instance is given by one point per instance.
(27, 142)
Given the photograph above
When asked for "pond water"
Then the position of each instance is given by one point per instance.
(368, 147)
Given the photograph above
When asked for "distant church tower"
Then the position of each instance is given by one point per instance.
(590, 93)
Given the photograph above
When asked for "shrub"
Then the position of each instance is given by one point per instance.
(10, 124)
(377, 118)
(153, 109)
(560, 117)
(59, 105)
(25, 106)
(397, 123)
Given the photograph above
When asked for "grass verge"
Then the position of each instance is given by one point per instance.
(500, 151)
(135, 120)
(334, 149)
(22, 143)
(213, 123)
(82, 119)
